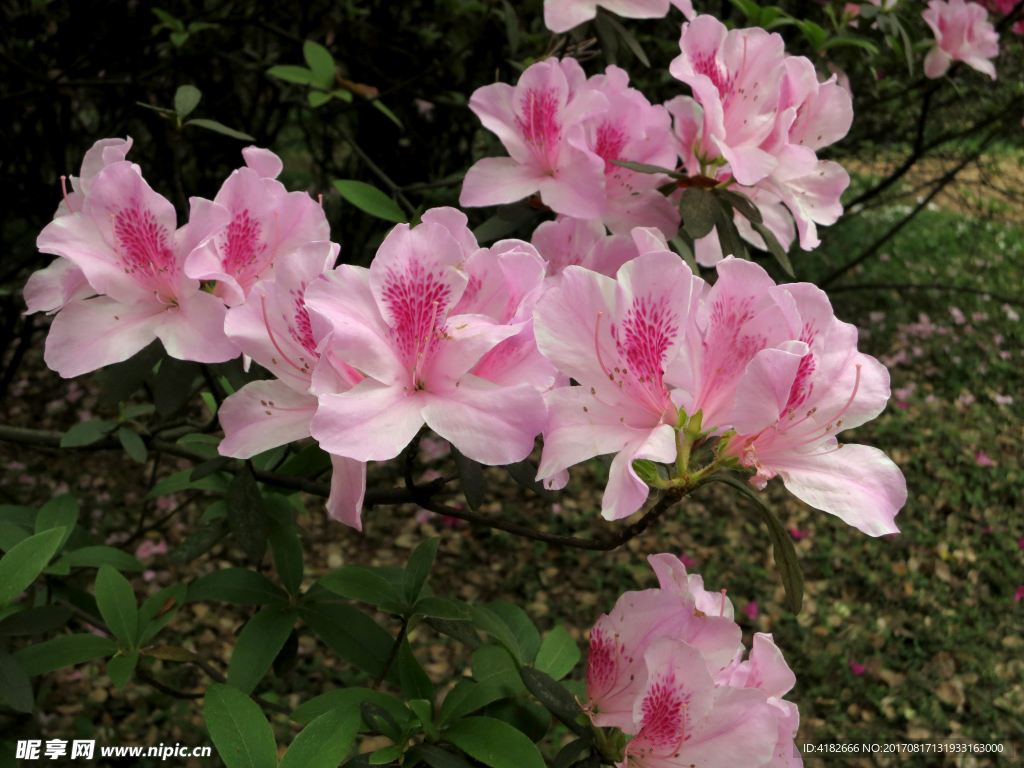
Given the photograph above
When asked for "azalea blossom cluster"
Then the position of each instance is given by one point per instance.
(962, 33)
(601, 344)
(666, 666)
(754, 123)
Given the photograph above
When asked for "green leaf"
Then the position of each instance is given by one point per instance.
(647, 168)
(186, 98)
(558, 653)
(120, 668)
(815, 35)
(200, 541)
(311, 460)
(750, 9)
(424, 711)
(494, 743)
(386, 755)
(492, 624)
(85, 433)
(462, 631)
(11, 535)
(95, 556)
(418, 568)
(381, 107)
(370, 199)
(59, 512)
(116, 600)
(15, 687)
(436, 757)
(64, 651)
(350, 700)
(213, 125)
(345, 96)
(25, 561)
(179, 38)
(471, 476)
(325, 742)
(415, 683)
(357, 582)
(208, 467)
(442, 608)
(247, 515)
(258, 645)
(158, 610)
(700, 211)
(182, 481)
(285, 543)
(236, 585)
(525, 473)
(173, 385)
(741, 203)
(526, 634)
(493, 666)
(467, 697)
(775, 247)
(629, 40)
(320, 62)
(215, 511)
(291, 74)
(569, 754)
(646, 471)
(511, 27)
(23, 516)
(35, 621)
(318, 98)
(508, 219)
(239, 730)
(728, 235)
(351, 634)
(132, 444)
(782, 544)
(857, 42)
(555, 699)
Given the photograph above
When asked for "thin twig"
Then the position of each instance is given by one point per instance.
(392, 654)
(395, 189)
(152, 681)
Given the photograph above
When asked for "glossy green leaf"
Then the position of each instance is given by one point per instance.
(353, 635)
(208, 467)
(236, 585)
(158, 610)
(525, 473)
(554, 697)
(443, 608)
(213, 125)
(95, 556)
(418, 568)
(116, 600)
(493, 625)
(59, 512)
(63, 651)
(186, 99)
(775, 247)
(386, 755)
(258, 644)
(11, 535)
(357, 582)
(628, 38)
(241, 733)
(350, 700)
(371, 200)
(648, 168)
(182, 481)
(467, 697)
(325, 742)
(132, 444)
(25, 561)
(318, 98)
(291, 74)
(526, 634)
(415, 683)
(200, 541)
(493, 666)
(383, 108)
(310, 461)
(436, 757)
(569, 754)
(700, 211)
(558, 653)
(247, 515)
(471, 478)
(35, 621)
(85, 433)
(284, 543)
(494, 743)
(120, 668)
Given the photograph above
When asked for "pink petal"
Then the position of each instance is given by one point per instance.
(577, 187)
(456, 222)
(49, 289)
(263, 161)
(498, 181)
(87, 335)
(263, 415)
(348, 487)
(370, 422)
(195, 330)
(626, 492)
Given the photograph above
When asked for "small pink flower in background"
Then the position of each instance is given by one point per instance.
(27, 480)
(562, 15)
(148, 548)
(877, 317)
(905, 393)
(148, 575)
(1010, 313)
(102, 498)
(687, 562)
(166, 503)
(979, 317)
(982, 460)
(60, 489)
(15, 466)
(425, 109)
(539, 122)
(1020, 544)
(117, 538)
(432, 449)
(1005, 355)
(958, 316)
(751, 610)
(798, 535)
(962, 33)
(966, 398)
(858, 669)
(74, 392)
(1003, 399)
(1019, 595)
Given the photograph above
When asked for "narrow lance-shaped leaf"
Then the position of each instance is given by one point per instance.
(418, 568)
(116, 600)
(775, 247)
(132, 444)
(494, 743)
(25, 561)
(213, 125)
(239, 730)
(186, 99)
(247, 515)
(647, 168)
(371, 200)
(471, 479)
(784, 551)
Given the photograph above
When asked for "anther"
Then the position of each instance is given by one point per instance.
(64, 189)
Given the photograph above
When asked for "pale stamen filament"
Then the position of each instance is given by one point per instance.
(813, 435)
(64, 189)
(266, 322)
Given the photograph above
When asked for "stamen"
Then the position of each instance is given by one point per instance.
(321, 199)
(266, 322)
(722, 612)
(597, 346)
(64, 189)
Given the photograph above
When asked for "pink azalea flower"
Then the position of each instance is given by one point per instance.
(1020, 543)
(616, 671)
(394, 322)
(631, 129)
(735, 77)
(267, 222)
(274, 328)
(567, 242)
(539, 122)
(858, 669)
(124, 241)
(148, 548)
(982, 460)
(1019, 594)
(49, 289)
(616, 338)
(751, 610)
(791, 401)
(962, 33)
(563, 15)
(958, 316)
(798, 535)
